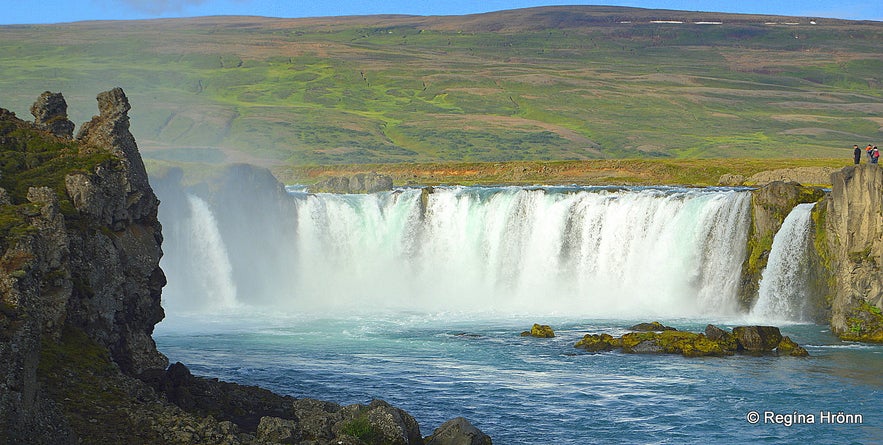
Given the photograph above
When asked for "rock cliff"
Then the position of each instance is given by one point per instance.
(851, 249)
(80, 285)
(81, 248)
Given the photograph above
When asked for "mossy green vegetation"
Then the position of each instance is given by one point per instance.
(34, 158)
(717, 342)
(360, 427)
(598, 343)
(688, 344)
(864, 323)
(80, 375)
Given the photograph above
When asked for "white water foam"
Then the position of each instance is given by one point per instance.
(517, 250)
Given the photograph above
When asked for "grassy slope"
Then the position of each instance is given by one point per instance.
(537, 84)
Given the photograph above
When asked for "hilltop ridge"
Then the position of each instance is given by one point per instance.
(547, 83)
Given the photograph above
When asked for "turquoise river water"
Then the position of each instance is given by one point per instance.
(419, 300)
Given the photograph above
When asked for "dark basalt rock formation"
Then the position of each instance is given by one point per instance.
(81, 253)
(80, 291)
(458, 432)
(757, 338)
(50, 111)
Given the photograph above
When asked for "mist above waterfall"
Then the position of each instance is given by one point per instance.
(573, 251)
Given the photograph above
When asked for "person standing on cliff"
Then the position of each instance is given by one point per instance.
(868, 151)
(875, 155)
(857, 154)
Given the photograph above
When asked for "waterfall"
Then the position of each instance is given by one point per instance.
(666, 252)
(599, 252)
(195, 262)
(783, 292)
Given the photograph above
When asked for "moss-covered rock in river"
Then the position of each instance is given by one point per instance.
(598, 343)
(757, 338)
(714, 342)
(789, 347)
(688, 344)
(652, 326)
(539, 331)
(725, 339)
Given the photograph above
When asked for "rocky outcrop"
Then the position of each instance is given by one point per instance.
(50, 112)
(82, 253)
(117, 302)
(34, 291)
(127, 193)
(652, 326)
(458, 432)
(770, 205)
(80, 287)
(715, 342)
(851, 249)
(757, 338)
(819, 176)
(358, 183)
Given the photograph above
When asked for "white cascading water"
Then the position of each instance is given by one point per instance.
(196, 265)
(782, 291)
(603, 253)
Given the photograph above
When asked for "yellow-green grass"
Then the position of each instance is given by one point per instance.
(527, 85)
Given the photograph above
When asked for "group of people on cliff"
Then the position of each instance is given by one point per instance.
(871, 150)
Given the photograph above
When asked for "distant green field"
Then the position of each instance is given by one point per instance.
(560, 83)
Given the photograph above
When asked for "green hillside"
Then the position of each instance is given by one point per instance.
(563, 83)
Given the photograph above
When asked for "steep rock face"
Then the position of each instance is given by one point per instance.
(135, 200)
(854, 239)
(35, 287)
(80, 295)
(770, 205)
(82, 253)
(117, 301)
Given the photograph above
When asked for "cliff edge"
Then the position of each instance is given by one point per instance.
(80, 287)
(852, 250)
(81, 249)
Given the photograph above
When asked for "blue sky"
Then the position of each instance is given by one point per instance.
(54, 11)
